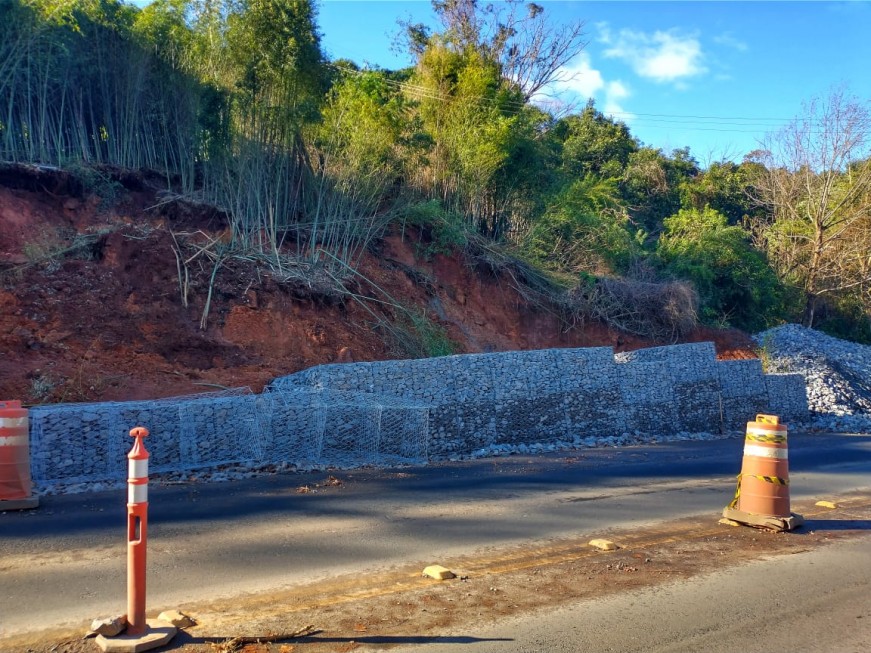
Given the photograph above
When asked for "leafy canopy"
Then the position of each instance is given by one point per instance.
(736, 285)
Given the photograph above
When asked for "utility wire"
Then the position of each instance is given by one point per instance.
(650, 120)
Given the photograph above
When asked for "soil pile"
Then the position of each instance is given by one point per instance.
(104, 297)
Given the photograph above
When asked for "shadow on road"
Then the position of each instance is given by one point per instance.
(836, 525)
(317, 638)
(277, 496)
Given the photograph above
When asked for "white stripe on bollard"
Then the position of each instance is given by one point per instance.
(754, 430)
(13, 441)
(137, 493)
(138, 468)
(13, 422)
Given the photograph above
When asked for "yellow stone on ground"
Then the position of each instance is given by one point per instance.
(176, 618)
(438, 572)
(827, 504)
(729, 522)
(603, 545)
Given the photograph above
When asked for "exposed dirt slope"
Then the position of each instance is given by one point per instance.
(91, 303)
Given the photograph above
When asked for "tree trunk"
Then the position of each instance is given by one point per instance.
(809, 311)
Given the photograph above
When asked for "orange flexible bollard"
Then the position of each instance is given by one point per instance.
(15, 483)
(141, 635)
(137, 532)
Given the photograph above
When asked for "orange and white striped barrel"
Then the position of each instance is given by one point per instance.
(764, 481)
(137, 532)
(14, 451)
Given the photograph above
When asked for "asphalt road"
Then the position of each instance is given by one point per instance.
(64, 563)
(813, 602)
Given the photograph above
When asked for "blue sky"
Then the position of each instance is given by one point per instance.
(714, 76)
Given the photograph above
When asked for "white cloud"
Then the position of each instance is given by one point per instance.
(582, 81)
(615, 93)
(729, 40)
(664, 57)
(581, 78)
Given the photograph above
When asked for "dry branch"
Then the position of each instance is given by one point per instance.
(655, 310)
(235, 644)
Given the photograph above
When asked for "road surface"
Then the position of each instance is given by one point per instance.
(218, 540)
(812, 602)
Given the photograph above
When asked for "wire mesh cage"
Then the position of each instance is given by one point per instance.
(292, 425)
(88, 442)
(347, 428)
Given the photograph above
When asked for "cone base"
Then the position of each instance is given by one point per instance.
(158, 634)
(28, 503)
(764, 521)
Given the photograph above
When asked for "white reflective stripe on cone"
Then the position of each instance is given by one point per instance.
(13, 441)
(755, 430)
(137, 493)
(138, 468)
(764, 452)
(12, 422)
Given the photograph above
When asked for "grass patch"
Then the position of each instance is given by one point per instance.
(417, 336)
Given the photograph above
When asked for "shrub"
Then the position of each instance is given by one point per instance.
(441, 231)
(736, 285)
(417, 336)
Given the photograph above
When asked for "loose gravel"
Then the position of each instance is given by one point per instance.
(837, 374)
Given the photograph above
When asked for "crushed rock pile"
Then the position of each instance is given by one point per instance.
(837, 373)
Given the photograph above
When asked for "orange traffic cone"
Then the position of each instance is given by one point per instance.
(762, 495)
(15, 485)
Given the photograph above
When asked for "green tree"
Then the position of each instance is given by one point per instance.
(82, 84)
(274, 48)
(734, 281)
(474, 123)
(652, 182)
(724, 186)
(358, 164)
(162, 26)
(593, 143)
(266, 56)
(364, 120)
(208, 22)
(584, 230)
(516, 35)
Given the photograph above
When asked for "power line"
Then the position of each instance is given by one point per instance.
(672, 115)
(687, 122)
(680, 120)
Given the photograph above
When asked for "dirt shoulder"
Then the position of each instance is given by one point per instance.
(377, 611)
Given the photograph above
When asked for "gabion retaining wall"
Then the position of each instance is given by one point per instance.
(411, 410)
(539, 396)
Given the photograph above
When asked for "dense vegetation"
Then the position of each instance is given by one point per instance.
(236, 105)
